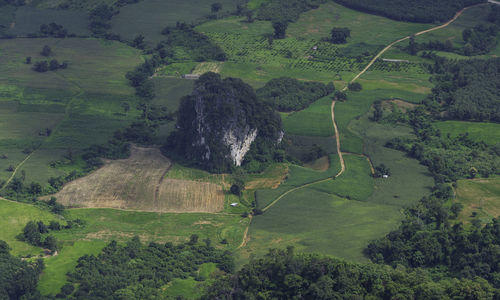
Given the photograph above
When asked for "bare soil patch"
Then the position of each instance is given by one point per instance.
(136, 183)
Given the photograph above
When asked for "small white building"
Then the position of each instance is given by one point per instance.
(234, 204)
(191, 76)
(385, 176)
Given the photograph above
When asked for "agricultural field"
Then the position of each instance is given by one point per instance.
(479, 197)
(315, 221)
(27, 20)
(149, 17)
(477, 131)
(316, 120)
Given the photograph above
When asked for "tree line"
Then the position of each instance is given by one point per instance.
(421, 11)
(289, 94)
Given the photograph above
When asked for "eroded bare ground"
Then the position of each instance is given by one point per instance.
(136, 183)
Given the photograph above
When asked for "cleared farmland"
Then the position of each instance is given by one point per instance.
(136, 183)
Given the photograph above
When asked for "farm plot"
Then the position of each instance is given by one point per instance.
(365, 28)
(315, 221)
(479, 197)
(93, 65)
(137, 183)
(316, 120)
(477, 131)
(28, 20)
(149, 17)
(409, 181)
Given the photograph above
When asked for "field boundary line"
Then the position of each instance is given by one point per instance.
(458, 14)
(15, 170)
(246, 237)
(337, 140)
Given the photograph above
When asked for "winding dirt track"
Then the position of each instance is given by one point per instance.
(458, 14)
(337, 137)
(15, 170)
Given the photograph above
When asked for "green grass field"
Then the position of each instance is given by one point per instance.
(478, 131)
(480, 196)
(104, 225)
(319, 222)
(316, 120)
(149, 17)
(28, 20)
(409, 180)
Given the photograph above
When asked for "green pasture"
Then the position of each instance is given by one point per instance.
(355, 183)
(480, 197)
(365, 28)
(470, 18)
(105, 225)
(297, 177)
(28, 20)
(477, 131)
(319, 222)
(93, 65)
(149, 17)
(316, 120)
(254, 4)
(13, 218)
(409, 181)
(56, 267)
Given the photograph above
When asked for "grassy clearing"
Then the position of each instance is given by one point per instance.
(355, 183)
(13, 218)
(314, 221)
(316, 120)
(94, 65)
(297, 176)
(478, 131)
(480, 196)
(28, 20)
(453, 32)
(356, 106)
(149, 17)
(136, 183)
(104, 225)
(365, 28)
(56, 267)
(409, 180)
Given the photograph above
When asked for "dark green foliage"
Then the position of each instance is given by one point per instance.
(197, 45)
(53, 30)
(448, 158)
(494, 16)
(378, 111)
(280, 29)
(28, 60)
(46, 51)
(340, 96)
(54, 225)
(479, 40)
(138, 42)
(215, 7)
(41, 66)
(18, 278)
(100, 18)
(422, 11)
(140, 271)
(286, 10)
(31, 233)
(281, 274)
(355, 86)
(468, 89)
(139, 78)
(53, 65)
(314, 153)
(340, 35)
(426, 239)
(215, 107)
(289, 94)
(381, 170)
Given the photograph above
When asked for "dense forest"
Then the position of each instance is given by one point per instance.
(137, 271)
(282, 274)
(220, 116)
(18, 278)
(289, 94)
(286, 10)
(422, 11)
(468, 89)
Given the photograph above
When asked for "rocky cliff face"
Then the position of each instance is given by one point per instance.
(219, 122)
